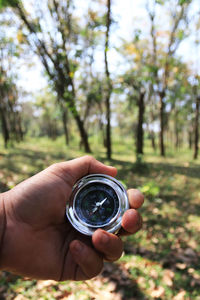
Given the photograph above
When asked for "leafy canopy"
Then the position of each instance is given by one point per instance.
(12, 3)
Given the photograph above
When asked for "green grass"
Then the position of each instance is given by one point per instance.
(161, 261)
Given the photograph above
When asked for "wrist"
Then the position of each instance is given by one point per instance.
(8, 234)
(3, 223)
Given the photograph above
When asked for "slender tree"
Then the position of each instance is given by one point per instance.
(196, 88)
(53, 48)
(90, 87)
(137, 95)
(176, 35)
(196, 120)
(108, 84)
(10, 117)
(138, 81)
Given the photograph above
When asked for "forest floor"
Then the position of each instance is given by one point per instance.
(162, 261)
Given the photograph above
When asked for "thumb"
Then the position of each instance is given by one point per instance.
(74, 169)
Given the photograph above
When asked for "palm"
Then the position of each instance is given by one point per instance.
(42, 209)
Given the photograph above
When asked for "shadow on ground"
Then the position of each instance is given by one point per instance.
(125, 285)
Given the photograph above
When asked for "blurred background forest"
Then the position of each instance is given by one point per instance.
(120, 80)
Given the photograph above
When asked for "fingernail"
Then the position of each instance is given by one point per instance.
(104, 238)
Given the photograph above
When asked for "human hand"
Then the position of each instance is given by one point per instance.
(40, 243)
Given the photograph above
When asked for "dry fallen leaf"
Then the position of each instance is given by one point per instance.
(179, 296)
(153, 273)
(141, 280)
(20, 297)
(168, 277)
(181, 266)
(158, 292)
(44, 283)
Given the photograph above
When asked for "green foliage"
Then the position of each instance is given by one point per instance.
(161, 261)
(69, 45)
(181, 34)
(137, 34)
(11, 3)
(160, 1)
(181, 2)
(94, 95)
(150, 189)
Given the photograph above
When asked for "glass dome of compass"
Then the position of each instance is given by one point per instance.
(97, 201)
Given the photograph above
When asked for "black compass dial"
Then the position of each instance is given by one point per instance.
(96, 204)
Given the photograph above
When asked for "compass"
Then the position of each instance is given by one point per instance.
(97, 201)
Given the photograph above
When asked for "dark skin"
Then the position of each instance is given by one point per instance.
(37, 239)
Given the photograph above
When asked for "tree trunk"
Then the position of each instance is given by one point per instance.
(190, 139)
(20, 131)
(101, 124)
(108, 83)
(176, 139)
(5, 130)
(140, 131)
(176, 131)
(162, 124)
(153, 140)
(58, 73)
(83, 133)
(196, 128)
(108, 129)
(64, 121)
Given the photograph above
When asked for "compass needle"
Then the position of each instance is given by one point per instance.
(94, 210)
(102, 202)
